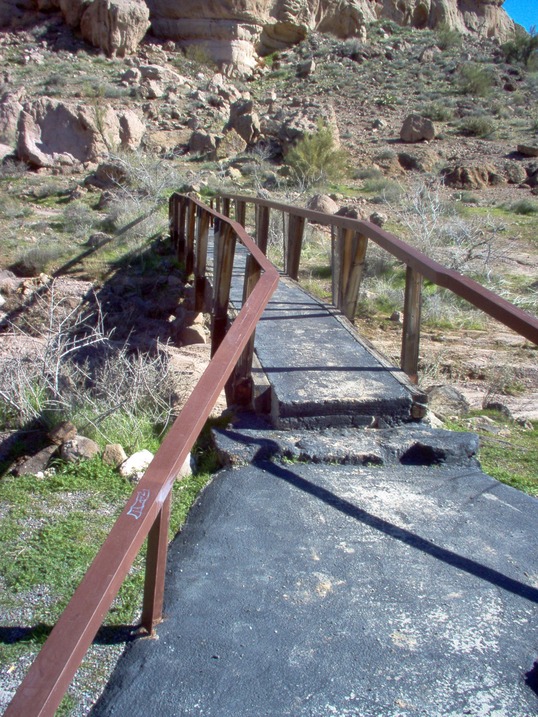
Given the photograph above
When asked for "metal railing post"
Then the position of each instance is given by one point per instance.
(157, 551)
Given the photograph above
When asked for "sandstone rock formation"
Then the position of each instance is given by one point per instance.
(55, 134)
(234, 32)
(231, 32)
(115, 26)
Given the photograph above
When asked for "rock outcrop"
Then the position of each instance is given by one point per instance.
(55, 134)
(115, 26)
(231, 32)
(234, 32)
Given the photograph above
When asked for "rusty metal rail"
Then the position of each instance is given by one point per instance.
(349, 248)
(146, 514)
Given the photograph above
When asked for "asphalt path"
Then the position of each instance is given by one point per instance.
(319, 590)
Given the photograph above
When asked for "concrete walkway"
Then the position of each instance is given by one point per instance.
(333, 570)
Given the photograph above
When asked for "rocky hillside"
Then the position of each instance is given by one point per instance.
(235, 33)
(437, 138)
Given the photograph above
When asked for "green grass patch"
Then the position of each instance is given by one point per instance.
(511, 457)
(52, 528)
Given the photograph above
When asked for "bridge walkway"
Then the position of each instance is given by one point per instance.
(346, 560)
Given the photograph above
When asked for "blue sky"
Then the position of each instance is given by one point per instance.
(524, 12)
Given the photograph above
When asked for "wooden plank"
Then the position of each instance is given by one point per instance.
(262, 227)
(411, 323)
(356, 271)
(200, 279)
(224, 259)
(295, 244)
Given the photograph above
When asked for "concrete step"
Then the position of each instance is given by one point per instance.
(250, 440)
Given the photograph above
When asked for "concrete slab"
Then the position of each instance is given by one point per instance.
(317, 590)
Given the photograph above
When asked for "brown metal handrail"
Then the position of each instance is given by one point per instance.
(349, 253)
(146, 514)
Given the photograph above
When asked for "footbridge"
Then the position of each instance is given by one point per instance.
(347, 560)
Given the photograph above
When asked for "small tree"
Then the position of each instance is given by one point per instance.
(523, 47)
(316, 159)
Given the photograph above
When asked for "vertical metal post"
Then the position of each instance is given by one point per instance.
(173, 219)
(152, 610)
(181, 215)
(240, 387)
(411, 323)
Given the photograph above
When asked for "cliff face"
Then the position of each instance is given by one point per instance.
(231, 30)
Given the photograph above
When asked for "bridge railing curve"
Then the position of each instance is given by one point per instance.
(350, 239)
(146, 514)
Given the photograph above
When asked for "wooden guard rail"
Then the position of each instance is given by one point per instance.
(349, 247)
(146, 513)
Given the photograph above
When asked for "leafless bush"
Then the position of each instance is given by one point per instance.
(434, 227)
(74, 371)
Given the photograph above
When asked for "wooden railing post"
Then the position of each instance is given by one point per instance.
(173, 219)
(200, 268)
(240, 386)
(262, 227)
(179, 216)
(157, 550)
(189, 248)
(240, 212)
(350, 295)
(224, 244)
(226, 206)
(295, 243)
(411, 323)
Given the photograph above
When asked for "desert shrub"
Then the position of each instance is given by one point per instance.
(475, 80)
(316, 159)
(476, 126)
(522, 48)
(37, 260)
(525, 207)
(78, 219)
(368, 173)
(437, 112)
(447, 38)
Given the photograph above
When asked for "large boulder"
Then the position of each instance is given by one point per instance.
(54, 134)
(244, 120)
(115, 26)
(417, 129)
